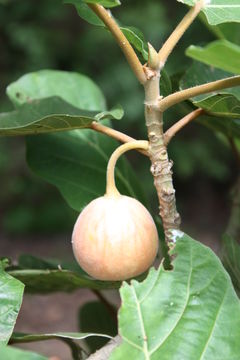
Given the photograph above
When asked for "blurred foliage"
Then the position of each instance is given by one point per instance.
(56, 38)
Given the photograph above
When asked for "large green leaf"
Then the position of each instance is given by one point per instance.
(50, 115)
(224, 102)
(95, 316)
(49, 281)
(190, 312)
(219, 11)
(76, 89)
(231, 260)
(11, 293)
(46, 276)
(73, 161)
(42, 276)
(11, 353)
(76, 163)
(222, 54)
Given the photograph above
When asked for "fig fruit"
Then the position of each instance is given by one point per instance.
(115, 238)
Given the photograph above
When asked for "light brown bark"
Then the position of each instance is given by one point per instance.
(161, 165)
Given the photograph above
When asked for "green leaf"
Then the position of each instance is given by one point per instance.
(105, 3)
(67, 337)
(94, 316)
(221, 105)
(11, 294)
(27, 261)
(228, 127)
(50, 115)
(76, 89)
(134, 35)
(185, 313)
(85, 12)
(75, 162)
(49, 281)
(11, 353)
(216, 53)
(136, 38)
(230, 32)
(219, 11)
(224, 103)
(231, 260)
(25, 338)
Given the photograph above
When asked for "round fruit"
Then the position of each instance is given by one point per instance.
(115, 238)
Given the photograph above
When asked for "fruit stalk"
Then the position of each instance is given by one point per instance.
(137, 144)
(161, 165)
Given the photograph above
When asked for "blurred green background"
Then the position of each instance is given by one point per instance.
(50, 35)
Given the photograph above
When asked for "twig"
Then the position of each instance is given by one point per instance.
(122, 41)
(180, 124)
(182, 95)
(118, 135)
(105, 351)
(176, 35)
(234, 150)
(111, 309)
(233, 226)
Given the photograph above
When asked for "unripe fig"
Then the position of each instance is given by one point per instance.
(115, 238)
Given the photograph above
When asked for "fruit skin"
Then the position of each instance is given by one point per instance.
(115, 238)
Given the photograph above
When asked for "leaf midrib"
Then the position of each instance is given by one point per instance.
(214, 324)
(184, 308)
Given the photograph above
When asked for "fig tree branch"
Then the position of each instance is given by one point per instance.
(176, 35)
(121, 39)
(180, 124)
(186, 94)
(118, 135)
(233, 226)
(105, 352)
(235, 150)
(110, 308)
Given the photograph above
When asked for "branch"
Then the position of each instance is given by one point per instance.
(111, 309)
(105, 351)
(186, 94)
(180, 124)
(235, 150)
(114, 134)
(122, 41)
(176, 35)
